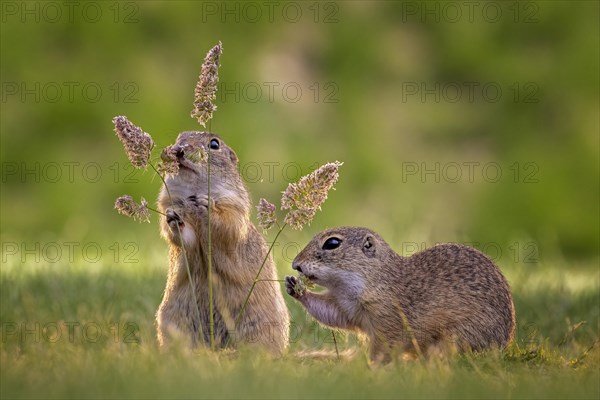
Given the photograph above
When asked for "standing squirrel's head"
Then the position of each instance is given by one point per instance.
(191, 153)
(342, 257)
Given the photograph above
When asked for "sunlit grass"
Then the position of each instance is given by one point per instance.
(107, 345)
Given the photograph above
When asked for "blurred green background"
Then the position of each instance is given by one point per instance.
(475, 122)
(455, 123)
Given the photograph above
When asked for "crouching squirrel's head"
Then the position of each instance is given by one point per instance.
(342, 257)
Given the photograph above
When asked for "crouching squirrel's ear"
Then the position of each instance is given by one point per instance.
(233, 157)
(369, 246)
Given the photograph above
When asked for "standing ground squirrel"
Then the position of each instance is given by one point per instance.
(238, 250)
(449, 294)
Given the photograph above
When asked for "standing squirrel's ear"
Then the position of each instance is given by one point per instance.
(369, 246)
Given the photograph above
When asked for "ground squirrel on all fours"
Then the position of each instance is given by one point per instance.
(238, 250)
(447, 295)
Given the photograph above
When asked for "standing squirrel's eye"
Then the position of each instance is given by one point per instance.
(214, 144)
(332, 243)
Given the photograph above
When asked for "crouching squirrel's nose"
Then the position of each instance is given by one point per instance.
(296, 266)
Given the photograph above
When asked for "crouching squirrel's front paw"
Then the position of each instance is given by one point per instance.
(294, 287)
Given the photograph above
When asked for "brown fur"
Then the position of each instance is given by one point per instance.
(447, 296)
(238, 250)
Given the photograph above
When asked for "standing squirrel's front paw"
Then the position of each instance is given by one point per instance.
(174, 220)
(293, 287)
(201, 201)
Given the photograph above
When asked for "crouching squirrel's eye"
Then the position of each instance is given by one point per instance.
(214, 144)
(332, 243)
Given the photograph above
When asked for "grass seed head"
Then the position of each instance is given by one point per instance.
(305, 197)
(127, 206)
(169, 164)
(206, 88)
(302, 285)
(266, 214)
(138, 144)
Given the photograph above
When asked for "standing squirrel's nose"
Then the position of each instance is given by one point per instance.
(296, 266)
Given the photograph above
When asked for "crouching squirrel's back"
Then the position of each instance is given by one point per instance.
(461, 294)
(446, 295)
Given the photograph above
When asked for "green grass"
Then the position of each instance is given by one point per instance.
(107, 346)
